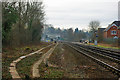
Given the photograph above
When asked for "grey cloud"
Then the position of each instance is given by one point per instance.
(80, 13)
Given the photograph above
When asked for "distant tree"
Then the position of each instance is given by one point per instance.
(58, 30)
(79, 34)
(66, 34)
(76, 35)
(76, 30)
(94, 25)
(51, 30)
(70, 34)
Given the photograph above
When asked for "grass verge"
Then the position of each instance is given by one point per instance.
(24, 67)
(50, 72)
(104, 46)
(9, 54)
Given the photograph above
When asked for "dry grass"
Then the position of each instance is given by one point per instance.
(76, 65)
(10, 54)
(50, 72)
(103, 45)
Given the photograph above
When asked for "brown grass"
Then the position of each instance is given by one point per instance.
(76, 65)
(9, 54)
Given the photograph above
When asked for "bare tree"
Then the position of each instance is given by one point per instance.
(94, 25)
(22, 22)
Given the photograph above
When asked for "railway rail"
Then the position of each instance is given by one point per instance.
(111, 55)
(100, 62)
(114, 54)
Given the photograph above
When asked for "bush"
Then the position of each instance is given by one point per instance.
(109, 40)
(118, 41)
(114, 42)
(27, 48)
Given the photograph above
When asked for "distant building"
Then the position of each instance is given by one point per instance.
(113, 30)
(101, 30)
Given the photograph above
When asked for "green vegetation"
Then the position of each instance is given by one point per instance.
(10, 54)
(106, 46)
(24, 67)
(22, 22)
(10, 17)
(66, 34)
(50, 72)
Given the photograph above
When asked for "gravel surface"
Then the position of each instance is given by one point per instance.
(76, 65)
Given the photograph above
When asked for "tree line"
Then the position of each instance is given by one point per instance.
(22, 22)
(66, 34)
(75, 35)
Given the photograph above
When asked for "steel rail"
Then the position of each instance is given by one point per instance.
(116, 53)
(104, 54)
(103, 64)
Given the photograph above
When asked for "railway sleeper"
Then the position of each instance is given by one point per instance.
(99, 49)
(101, 55)
(105, 65)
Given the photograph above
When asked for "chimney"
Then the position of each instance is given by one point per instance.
(119, 11)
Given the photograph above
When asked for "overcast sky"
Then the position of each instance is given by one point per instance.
(78, 13)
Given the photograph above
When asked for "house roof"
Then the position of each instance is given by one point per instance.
(115, 23)
(101, 29)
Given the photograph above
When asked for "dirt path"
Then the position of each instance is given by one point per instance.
(12, 67)
(35, 69)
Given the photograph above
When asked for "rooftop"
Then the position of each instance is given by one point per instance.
(117, 23)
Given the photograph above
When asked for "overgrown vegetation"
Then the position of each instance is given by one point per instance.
(74, 65)
(50, 72)
(22, 22)
(11, 54)
(24, 67)
(104, 45)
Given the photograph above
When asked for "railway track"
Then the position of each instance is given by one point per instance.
(86, 52)
(111, 55)
(114, 54)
